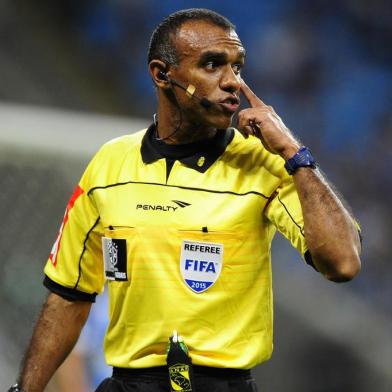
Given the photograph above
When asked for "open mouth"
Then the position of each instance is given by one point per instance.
(230, 104)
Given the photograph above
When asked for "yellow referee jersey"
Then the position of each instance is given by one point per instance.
(189, 251)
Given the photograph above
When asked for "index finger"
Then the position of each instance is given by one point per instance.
(251, 97)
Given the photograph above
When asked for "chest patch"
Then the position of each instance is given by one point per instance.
(115, 258)
(200, 264)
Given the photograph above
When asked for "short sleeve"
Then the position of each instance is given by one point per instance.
(285, 212)
(74, 269)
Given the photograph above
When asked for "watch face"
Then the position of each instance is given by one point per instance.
(304, 158)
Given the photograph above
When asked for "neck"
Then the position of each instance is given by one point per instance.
(173, 129)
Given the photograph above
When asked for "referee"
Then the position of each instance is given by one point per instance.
(179, 219)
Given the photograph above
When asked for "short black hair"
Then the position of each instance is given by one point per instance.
(162, 46)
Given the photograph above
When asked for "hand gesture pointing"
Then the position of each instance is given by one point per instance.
(260, 120)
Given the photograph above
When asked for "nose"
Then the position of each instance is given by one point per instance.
(230, 81)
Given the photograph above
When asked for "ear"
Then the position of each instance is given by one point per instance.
(158, 69)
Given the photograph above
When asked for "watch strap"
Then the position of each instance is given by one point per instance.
(303, 158)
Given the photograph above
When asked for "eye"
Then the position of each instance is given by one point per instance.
(237, 68)
(211, 65)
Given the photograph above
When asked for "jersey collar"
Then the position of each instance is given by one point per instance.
(198, 156)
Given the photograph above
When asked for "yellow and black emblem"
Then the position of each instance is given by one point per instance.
(180, 378)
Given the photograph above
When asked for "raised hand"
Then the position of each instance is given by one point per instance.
(260, 120)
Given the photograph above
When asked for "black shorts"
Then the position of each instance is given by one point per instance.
(206, 379)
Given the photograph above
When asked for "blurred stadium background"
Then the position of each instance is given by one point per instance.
(73, 75)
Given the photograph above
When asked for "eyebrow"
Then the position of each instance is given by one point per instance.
(219, 56)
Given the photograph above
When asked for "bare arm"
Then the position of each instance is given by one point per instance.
(331, 235)
(55, 333)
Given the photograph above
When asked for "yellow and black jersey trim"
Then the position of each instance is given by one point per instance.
(70, 294)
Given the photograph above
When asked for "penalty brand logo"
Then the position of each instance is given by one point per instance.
(163, 208)
(180, 203)
(200, 264)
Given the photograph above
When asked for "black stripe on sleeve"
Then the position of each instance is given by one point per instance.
(84, 249)
(68, 293)
(291, 217)
(307, 256)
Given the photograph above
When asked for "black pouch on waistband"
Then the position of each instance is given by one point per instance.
(179, 365)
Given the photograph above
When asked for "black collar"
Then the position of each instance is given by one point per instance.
(199, 155)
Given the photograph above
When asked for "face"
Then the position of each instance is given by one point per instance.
(211, 59)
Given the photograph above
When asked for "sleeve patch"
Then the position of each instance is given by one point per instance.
(56, 247)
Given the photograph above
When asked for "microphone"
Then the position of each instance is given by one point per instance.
(190, 90)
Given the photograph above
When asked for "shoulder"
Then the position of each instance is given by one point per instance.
(250, 154)
(107, 163)
(122, 145)
(119, 147)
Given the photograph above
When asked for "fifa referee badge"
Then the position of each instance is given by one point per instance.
(179, 365)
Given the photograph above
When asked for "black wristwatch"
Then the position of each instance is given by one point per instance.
(303, 158)
(16, 388)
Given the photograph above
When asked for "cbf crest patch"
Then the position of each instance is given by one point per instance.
(115, 258)
(179, 378)
(200, 264)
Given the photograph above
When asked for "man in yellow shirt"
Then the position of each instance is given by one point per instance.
(179, 219)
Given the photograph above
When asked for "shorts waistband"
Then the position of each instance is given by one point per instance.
(161, 372)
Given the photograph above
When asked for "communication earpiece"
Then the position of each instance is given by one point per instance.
(190, 90)
(163, 76)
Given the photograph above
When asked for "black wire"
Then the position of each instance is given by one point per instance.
(179, 125)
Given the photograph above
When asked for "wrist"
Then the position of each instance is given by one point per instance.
(290, 151)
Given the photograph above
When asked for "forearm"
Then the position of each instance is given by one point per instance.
(54, 336)
(331, 235)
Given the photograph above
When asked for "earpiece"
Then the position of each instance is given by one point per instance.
(163, 76)
(190, 90)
